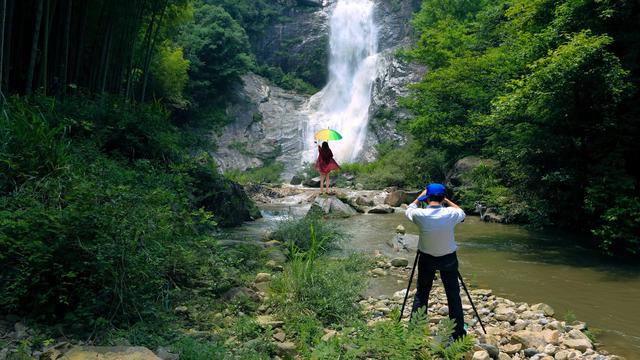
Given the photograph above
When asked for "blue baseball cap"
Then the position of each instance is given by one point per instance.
(433, 189)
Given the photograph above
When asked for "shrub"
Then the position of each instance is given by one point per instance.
(268, 174)
(328, 288)
(391, 339)
(110, 246)
(402, 167)
(92, 237)
(482, 184)
(297, 233)
(210, 190)
(29, 147)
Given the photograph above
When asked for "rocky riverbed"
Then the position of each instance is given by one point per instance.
(515, 330)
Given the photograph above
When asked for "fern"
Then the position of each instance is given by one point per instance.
(450, 350)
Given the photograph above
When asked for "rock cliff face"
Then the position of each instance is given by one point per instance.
(393, 18)
(299, 43)
(385, 114)
(268, 126)
(393, 76)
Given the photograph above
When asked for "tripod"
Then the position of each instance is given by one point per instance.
(406, 295)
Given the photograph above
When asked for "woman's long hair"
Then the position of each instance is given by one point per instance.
(325, 152)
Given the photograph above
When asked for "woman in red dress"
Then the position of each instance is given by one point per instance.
(325, 163)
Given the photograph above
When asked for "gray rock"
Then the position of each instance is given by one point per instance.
(21, 331)
(511, 348)
(408, 242)
(265, 321)
(286, 348)
(529, 352)
(313, 182)
(493, 351)
(399, 262)
(182, 310)
(529, 339)
(279, 336)
(296, 180)
(333, 206)
(504, 313)
(110, 353)
(364, 201)
(490, 215)
(262, 277)
(400, 229)
(381, 209)
(394, 198)
(481, 355)
(546, 309)
(165, 354)
(276, 254)
(578, 344)
(240, 292)
(328, 334)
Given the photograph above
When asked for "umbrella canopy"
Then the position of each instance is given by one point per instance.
(327, 134)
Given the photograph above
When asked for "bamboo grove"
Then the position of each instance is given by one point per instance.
(59, 46)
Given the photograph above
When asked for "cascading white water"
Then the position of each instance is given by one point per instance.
(343, 104)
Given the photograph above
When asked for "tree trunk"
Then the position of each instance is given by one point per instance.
(80, 51)
(34, 48)
(6, 71)
(3, 17)
(128, 76)
(149, 54)
(65, 54)
(106, 60)
(45, 46)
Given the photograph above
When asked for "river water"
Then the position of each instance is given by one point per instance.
(515, 263)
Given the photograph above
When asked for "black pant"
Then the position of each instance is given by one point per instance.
(448, 266)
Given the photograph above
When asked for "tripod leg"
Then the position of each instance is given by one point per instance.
(406, 295)
(471, 301)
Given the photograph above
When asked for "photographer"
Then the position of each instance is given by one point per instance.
(437, 250)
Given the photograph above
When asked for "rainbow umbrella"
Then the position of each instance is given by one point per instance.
(327, 134)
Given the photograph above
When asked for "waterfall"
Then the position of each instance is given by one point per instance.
(343, 104)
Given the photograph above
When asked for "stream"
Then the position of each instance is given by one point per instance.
(514, 262)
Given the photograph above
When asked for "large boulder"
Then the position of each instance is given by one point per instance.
(381, 209)
(396, 198)
(332, 206)
(110, 353)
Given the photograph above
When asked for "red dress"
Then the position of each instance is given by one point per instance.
(325, 162)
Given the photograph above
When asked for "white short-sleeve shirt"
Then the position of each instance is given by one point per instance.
(436, 224)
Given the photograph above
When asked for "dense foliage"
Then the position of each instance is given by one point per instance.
(550, 90)
(97, 195)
